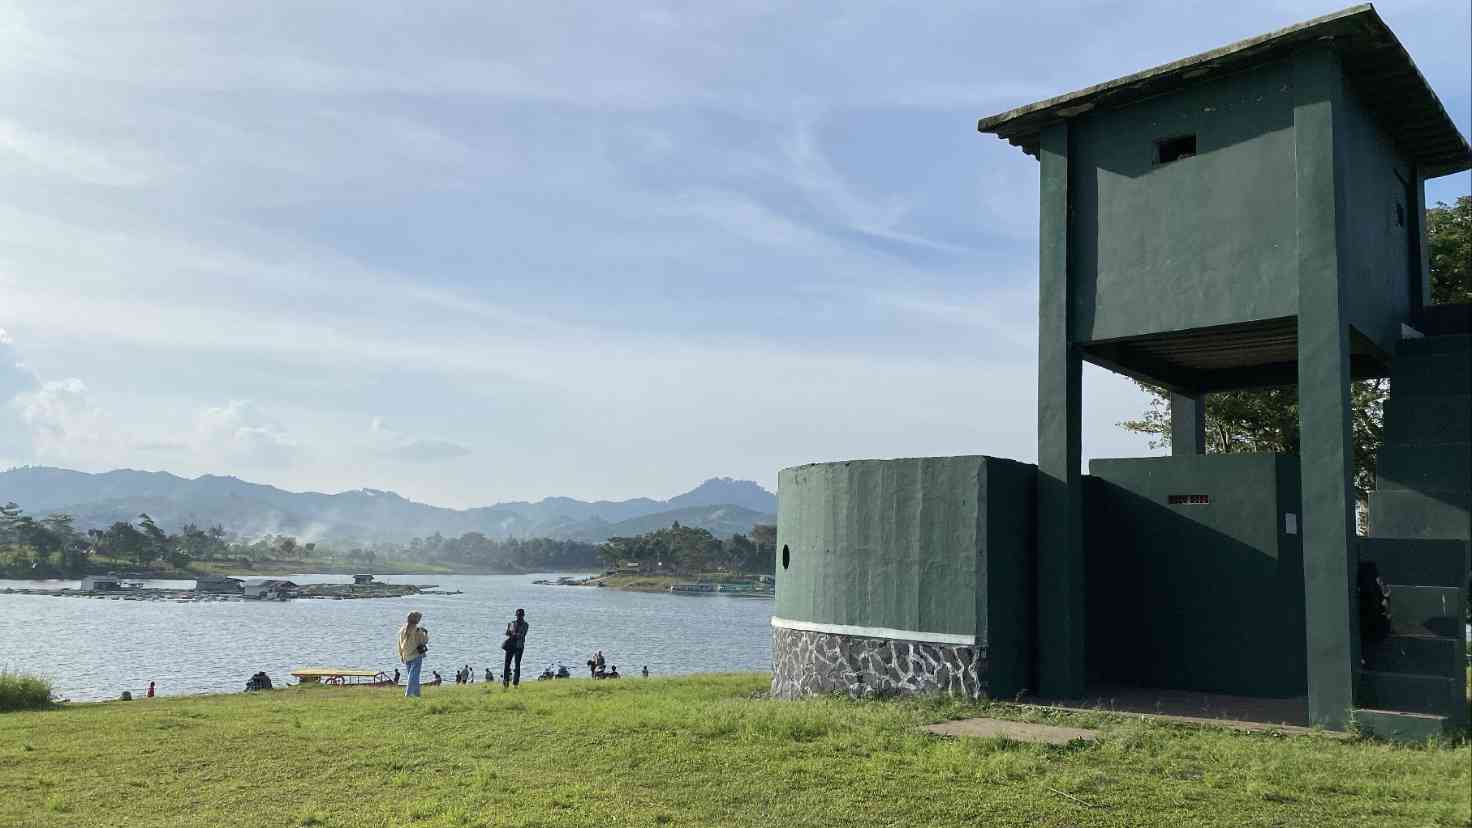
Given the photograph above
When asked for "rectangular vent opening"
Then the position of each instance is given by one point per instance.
(1174, 149)
(1188, 499)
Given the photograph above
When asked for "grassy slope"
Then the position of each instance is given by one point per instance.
(686, 751)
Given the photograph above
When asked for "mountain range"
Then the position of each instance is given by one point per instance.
(722, 505)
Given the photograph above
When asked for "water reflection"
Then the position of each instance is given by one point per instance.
(96, 648)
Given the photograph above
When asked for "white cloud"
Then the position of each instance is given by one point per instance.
(638, 246)
(240, 432)
(64, 423)
(393, 444)
(15, 377)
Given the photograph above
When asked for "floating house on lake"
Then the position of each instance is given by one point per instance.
(1248, 217)
(362, 579)
(101, 583)
(270, 589)
(218, 585)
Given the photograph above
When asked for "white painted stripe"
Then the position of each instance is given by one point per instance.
(874, 632)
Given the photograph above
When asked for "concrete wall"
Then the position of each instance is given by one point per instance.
(934, 551)
(1208, 240)
(1196, 596)
(1377, 270)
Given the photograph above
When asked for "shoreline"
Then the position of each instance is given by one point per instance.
(276, 569)
(627, 582)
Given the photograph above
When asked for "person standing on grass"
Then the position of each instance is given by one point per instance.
(150, 689)
(514, 645)
(413, 645)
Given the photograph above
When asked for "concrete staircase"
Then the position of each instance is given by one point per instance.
(1414, 683)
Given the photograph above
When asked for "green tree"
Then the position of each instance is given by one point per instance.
(1449, 253)
(10, 514)
(123, 540)
(155, 540)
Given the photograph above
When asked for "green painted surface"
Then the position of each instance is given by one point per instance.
(1379, 202)
(1187, 424)
(1411, 692)
(1206, 240)
(1432, 515)
(1419, 514)
(927, 545)
(1323, 388)
(1416, 561)
(1408, 417)
(1434, 656)
(1060, 586)
(1196, 596)
(1006, 603)
(1399, 727)
(1425, 466)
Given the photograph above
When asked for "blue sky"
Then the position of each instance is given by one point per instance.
(482, 251)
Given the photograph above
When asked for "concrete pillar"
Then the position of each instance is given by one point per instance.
(1060, 576)
(1327, 448)
(1187, 424)
(1420, 260)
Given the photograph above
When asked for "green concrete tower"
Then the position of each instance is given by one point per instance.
(1248, 217)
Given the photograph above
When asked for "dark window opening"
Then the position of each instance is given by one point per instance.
(1174, 149)
(1188, 499)
(786, 557)
(1400, 214)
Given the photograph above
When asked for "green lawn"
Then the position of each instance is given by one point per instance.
(689, 751)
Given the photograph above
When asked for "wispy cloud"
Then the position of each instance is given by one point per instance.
(612, 252)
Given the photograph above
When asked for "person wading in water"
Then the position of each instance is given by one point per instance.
(514, 645)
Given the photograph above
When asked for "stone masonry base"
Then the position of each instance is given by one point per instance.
(811, 663)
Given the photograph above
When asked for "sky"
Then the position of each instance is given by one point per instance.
(478, 251)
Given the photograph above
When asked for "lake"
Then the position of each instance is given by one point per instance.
(95, 649)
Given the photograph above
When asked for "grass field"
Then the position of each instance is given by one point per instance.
(701, 750)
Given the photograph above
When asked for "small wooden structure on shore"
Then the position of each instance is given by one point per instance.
(342, 677)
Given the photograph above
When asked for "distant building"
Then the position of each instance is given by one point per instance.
(362, 579)
(101, 583)
(218, 584)
(270, 589)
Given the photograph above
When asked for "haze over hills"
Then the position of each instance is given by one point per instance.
(721, 505)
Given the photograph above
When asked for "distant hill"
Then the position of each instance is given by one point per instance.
(721, 520)
(722, 505)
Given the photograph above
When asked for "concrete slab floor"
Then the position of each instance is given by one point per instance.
(1190, 707)
(1014, 731)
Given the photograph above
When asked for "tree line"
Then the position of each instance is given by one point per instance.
(474, 549)
(52, 546)
(688, 550)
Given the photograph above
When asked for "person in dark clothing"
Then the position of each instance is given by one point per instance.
(514, 645)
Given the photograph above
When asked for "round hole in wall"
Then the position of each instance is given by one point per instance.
(786, 556)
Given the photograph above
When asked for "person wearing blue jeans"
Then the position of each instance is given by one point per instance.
(413, 644)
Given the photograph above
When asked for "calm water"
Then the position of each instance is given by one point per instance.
(94, 649)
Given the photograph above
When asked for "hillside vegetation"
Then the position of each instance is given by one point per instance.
(702, 750)
(364, 516)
